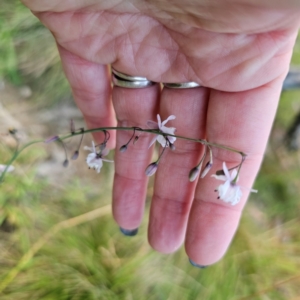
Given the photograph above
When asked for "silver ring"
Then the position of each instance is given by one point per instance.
(128, 77)
(130, 84)
(182, 85)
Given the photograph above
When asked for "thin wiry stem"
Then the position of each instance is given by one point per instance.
(16, 154)
(107, 135)
(157, 132)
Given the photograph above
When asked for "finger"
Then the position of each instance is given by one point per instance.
(134, 107)
(173, 192)
(242, 121)
(91, 87)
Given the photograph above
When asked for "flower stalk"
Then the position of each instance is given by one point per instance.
(164, 135)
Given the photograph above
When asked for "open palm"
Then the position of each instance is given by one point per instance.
(238, 52)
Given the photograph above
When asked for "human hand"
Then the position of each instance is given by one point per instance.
(238, 52)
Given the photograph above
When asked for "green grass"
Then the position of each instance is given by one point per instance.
(23, 60)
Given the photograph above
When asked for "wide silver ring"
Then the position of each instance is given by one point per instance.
(182, 85)
(128, 77)
(130, 84)
(128, 81)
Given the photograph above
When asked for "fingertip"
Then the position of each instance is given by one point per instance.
(163, 238)
(129, 232)
(162, 246)
(210, 231)
(197, 265)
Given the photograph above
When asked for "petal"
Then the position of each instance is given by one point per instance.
(90, 158)
(171, 139)
(223, 189)
(107, 160)
(158, 120)
(152, 125)
(219, 177)
(153, 141)
(172, 117)
(88, 148)
(98, 168)
(236, 196)
(168, 130)
(250, 190)
(233, 175)
(226, 172)
(105, 152)
(93, 147)
(162, 140)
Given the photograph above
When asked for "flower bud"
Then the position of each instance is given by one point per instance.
(194, 174)
(75, 155)
(51, 139)
(12, 131)
(123, 148)
(135, 139)
(65, 163)
(72, 126)
(151, 169)
(206, 169)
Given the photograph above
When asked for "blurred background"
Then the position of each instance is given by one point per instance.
(58, 239)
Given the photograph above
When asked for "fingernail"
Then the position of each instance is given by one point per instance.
(196, 265)
(128, 232)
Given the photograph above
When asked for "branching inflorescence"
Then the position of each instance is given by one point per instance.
(229, 192)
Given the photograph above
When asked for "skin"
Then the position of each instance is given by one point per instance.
(239, 51)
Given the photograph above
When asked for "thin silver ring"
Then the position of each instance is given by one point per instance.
(182, 85)
(128, 77)
(130, 84)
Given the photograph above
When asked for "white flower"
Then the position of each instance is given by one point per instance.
(95, 159)
(229, 191)
(9, 169)
(162, 128)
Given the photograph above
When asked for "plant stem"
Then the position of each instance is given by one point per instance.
(16, 154)
(105, 129)
(157, 132)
